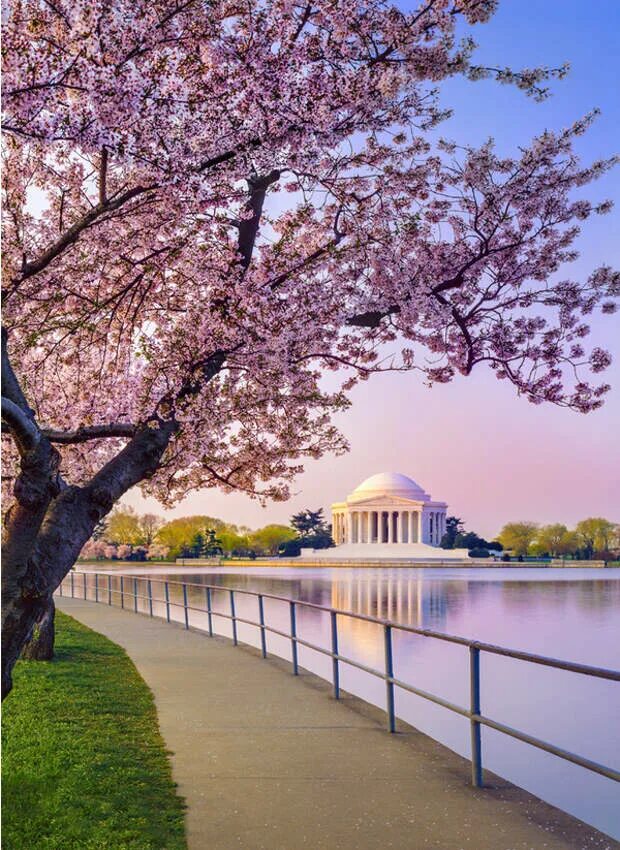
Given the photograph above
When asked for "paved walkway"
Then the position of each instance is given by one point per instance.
(267, 761)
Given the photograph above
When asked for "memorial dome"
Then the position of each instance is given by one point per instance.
(389, 484)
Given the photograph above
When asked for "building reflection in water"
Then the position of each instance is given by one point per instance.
(400, 599)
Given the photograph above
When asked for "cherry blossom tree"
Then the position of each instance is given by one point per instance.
(93, 550)
(210, 205)
(157, 552)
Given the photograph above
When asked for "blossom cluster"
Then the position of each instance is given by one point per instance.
(239, 200)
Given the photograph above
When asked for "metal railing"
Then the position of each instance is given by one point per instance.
(473, 713)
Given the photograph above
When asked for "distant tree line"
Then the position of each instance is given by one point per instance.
(593, 538)
(127, 535)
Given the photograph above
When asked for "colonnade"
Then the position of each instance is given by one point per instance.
(393, 526)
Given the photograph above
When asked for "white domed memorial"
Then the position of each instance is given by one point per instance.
(388, 516)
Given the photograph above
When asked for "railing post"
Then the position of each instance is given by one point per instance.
(149, 593)
(233, 617)
(135, 595)
(294, 638)
(261, 617)
(335, 666)
(96, 587)
(122, 593)
(72, 584)
(209, 612)
(389, 672)
(185, 611)
(476, 739)
(167, 595)
(85, 586)
(109, 590)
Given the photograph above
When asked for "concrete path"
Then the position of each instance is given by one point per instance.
(268, 761)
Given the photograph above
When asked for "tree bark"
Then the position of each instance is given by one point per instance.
(40, 646)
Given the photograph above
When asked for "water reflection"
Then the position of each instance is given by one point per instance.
(409, 601)
(567, 614)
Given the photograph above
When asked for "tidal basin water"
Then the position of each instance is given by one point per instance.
(564, 613)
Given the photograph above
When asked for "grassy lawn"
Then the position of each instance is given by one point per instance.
(84, 765)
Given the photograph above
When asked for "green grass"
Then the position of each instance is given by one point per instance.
(84, 765)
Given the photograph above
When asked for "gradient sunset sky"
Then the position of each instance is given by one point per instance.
(492, 456)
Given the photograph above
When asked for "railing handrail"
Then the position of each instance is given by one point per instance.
(474, 714)
(521, 655)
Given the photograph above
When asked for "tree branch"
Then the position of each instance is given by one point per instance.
(372, 318)
(103, 176)
(93, 432)
(248, 227)
(24, 430)
(71, 235)
(10, 385)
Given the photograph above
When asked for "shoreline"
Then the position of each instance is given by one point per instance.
(288, 563)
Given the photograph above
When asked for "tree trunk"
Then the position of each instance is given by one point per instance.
(32, 570)
(29, 582)
(40, 646)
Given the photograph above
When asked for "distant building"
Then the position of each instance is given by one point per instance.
(388, 516)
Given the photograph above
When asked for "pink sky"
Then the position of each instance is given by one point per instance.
(491, 456)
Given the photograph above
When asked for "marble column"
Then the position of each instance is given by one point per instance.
(420, 527)
(389, 527)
